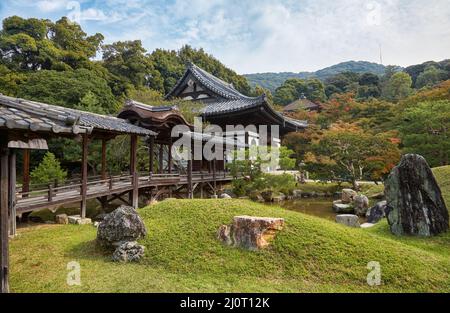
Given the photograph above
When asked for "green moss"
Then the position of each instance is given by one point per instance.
(182, 254)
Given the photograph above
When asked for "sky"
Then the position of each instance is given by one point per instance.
(253, 36)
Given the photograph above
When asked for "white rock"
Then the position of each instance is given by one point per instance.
(367, 225)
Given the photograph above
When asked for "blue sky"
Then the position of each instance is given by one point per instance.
(266, 35)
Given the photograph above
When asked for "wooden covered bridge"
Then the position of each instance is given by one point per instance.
(27, 125)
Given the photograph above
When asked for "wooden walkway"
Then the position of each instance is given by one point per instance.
(54, 196)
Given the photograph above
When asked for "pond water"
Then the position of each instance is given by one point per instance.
(320, 207)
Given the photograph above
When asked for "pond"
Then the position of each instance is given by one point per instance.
(320, 207)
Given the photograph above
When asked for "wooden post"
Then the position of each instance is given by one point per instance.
(12, 192)
(26, 173)
(214, 176)
(161, 157)
(4, 254)
(170, 162)
(150, 155)
(103, 169)
(189, 170)
(133, 171)
(84, 173)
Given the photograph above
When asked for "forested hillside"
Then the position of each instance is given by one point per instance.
(272, 81)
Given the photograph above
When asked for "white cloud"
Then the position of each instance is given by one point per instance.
(269, 35)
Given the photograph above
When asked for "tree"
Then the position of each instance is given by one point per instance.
(37, 44)
(48, 171)
(67, 88)
(397, 87)
(354, 152)
(286, 161)
(425, 129)
(430, 77)
(293, 88)
(127, 59)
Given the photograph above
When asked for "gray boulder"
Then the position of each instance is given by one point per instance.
(340, 207)
(376, 213)
(122, 225)
(361, 204)
(350, 220)
(225, 196)
(129, 251)
(414, 201)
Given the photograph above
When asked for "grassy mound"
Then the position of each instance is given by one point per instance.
(182, 254)
(442, 175)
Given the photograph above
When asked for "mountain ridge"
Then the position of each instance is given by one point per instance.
(272, 80)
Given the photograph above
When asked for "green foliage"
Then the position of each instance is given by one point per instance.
(286, 161)
(430, 77)
(38, 44)
(293, 88)
(68, 88)
(397, 87)
(48, 171)
(424, 129)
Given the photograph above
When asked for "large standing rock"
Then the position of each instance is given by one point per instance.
(250, 232)
(361, 204)
(121, 225)
(376, 213)
(348, 195)
(350, 220)
(414, 202)
(129, 251)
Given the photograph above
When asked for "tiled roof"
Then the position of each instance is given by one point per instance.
(35, 116)
(229, 99)
(302, 103)
(224, 106)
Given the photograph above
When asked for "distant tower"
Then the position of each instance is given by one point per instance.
(381, 55)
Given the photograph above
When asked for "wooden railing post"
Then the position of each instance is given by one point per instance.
(133, 171)
(4, 251)
(110, 182)
(50, 193)
(12, 192)
(84, 173)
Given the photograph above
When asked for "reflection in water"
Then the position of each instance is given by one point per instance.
(318, 207)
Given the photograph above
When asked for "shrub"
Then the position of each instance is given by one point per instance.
(48, 171)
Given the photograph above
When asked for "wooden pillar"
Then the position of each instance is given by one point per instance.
(103, 169)
(133, 171)
(170, 162)
(214, 176)
(4, 253)
(189, 170)
(12, 192)
(104, 199)
(84, 174)
(26, 172)
(161, 157)
(150, 155)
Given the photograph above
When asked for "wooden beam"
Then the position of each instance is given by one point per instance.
(4, 253)
(12, 192)
(84, 173)
(26, 173)
(133, 171)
